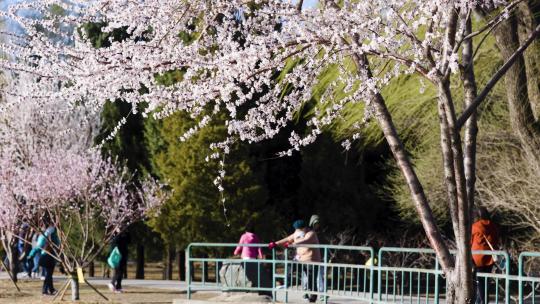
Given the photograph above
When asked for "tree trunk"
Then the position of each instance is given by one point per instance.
(205, 268)
(457, 193)
(448, 161)
(529, 12)
(471, 126)
(521, 114)
(139, 273)
(14, 262)
(384, 119)
(181, 261)
(168, 265)
(75, 288)
(91, 269)
(105, 270)
(458, 272)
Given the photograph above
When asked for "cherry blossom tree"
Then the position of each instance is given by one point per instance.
(87, 198)
(26, 130)
(259, 60)
(9, 219)
(50, 172)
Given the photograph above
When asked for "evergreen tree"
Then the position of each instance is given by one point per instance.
(127, 145)
(195, 211)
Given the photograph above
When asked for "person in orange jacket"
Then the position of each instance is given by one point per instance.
(484, 236)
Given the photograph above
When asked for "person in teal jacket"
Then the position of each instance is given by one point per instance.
(46, 260)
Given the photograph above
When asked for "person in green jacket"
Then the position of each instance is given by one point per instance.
(48, 262)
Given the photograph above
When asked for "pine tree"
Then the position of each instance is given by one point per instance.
(195, 211)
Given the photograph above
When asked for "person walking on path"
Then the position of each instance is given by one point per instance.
(315, 225)
(249, 253)
(46, 244)
(304, 236)
(484, 236)
(121, 241)
(36, 268)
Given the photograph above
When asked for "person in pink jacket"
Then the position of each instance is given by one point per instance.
(249, 253)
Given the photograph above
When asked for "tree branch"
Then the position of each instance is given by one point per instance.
(493, 81)
(299, 6)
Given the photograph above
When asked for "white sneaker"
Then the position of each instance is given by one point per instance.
(42, 278)
(111, 287)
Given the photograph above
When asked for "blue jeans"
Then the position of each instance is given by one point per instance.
(35, 269)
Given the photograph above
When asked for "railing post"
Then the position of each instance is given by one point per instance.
(379, 275)
(436, 296)
(322, 281)
(507, 282)
(520, 274)
(188, 271)
(274, 293)
(286, 279)
(371, 274)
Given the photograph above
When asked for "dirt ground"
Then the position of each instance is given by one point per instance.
(31, 293)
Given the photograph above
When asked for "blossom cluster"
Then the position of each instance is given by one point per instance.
(257, 60)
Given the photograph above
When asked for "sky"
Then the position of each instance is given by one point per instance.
(5, 3)
(310, 3)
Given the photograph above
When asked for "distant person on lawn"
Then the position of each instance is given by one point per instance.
(484, 236)
(249, 237)
(46, 243)
(303, 235)
(121, 241)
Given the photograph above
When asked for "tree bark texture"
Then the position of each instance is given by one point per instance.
(461, 276)
(404, 163)
(13, 261)
(75, 288)
(168, 265)
(528, 19)
(522, 117)
(471, 126)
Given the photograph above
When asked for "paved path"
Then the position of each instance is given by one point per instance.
(154, 284)
(294, 297)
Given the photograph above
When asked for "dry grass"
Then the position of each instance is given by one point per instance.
(31, 294)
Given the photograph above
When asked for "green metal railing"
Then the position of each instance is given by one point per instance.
(402, 275)
(427, 281)
(524, 279)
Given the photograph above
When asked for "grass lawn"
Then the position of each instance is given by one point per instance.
(31, 294)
